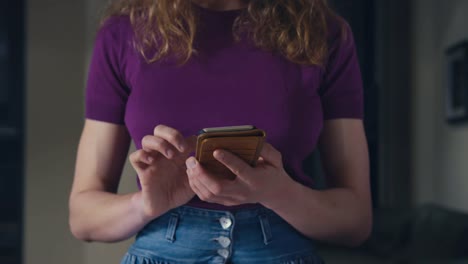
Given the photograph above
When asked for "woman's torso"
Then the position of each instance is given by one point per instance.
(226, 83)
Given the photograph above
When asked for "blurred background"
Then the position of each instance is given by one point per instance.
(414, 60)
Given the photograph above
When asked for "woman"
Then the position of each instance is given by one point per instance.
(164, 69)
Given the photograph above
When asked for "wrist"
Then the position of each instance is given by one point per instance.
(284, 196)
(140, 210)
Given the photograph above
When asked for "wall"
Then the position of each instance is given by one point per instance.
(59, 40)
(440, 151)
(55, 39)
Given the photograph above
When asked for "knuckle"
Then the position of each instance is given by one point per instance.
(173, 136)
(203, 197)
(146, 140)
(135, 156)
(217, 189)
(157, 129)
(209, 196)
(158, 143)
(153, 143)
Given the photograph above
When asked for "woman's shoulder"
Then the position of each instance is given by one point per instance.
(115, 31)
(337, 28)
(117, 23)
(116, 20)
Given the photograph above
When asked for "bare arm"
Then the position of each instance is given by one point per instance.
(96, 211)
(341, 214)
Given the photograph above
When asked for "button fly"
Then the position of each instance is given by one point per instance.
(225, 222)
(224, 241)
(223, 253)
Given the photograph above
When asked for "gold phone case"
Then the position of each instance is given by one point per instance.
(246, 144)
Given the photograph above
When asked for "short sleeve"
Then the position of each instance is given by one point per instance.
(342, 90)
(106, 91)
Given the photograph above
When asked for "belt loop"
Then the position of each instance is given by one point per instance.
(171, 227)
(266, 229)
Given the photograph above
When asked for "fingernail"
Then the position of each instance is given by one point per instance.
(191, 163)
(219, 154)
(181, 148)
(170, 153)
(149, 159)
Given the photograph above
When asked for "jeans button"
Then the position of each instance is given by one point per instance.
(223, 253)
(224, 241)
(225, 222)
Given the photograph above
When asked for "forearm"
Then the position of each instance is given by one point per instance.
(336, 215)
(106, 217)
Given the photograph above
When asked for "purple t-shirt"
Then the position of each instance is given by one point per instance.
(225, 84)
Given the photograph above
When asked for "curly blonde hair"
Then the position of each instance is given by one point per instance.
(297, 29)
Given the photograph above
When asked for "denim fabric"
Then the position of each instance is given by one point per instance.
(192, 235)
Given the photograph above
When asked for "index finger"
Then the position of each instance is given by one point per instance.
(172, 136)
(235, 164)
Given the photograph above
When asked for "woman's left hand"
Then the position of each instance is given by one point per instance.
(263, 184)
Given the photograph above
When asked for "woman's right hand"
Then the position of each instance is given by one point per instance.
(161, 169)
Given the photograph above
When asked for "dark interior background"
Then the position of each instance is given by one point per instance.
(11, 129)
(416, 158)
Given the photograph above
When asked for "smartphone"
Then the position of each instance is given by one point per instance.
(246, 142)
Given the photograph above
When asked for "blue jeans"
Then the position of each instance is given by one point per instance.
(192, 235)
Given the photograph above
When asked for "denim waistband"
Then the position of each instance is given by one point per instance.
(239, 214)
(196, 235)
